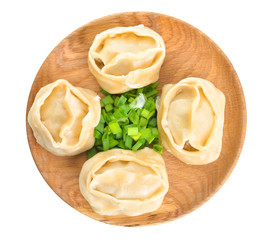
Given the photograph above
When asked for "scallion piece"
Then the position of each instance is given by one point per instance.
(149, 105)
(119, 135)
(154, 85)
(124, 108)
(153, 122)
(132, 131)
(138, 102)
(116, 101)
(158, 148)
(97, 134)
(150, 139)
(155, 132)
(112, 142)
(131, 99)
(114, 127)
(109, 107)
(121, 144)
(151, 114)
(122, 100)
(145, 133)
(153, 92)
(138, 144)
(143, 122)
(92, 152)
(98, 142)
(104, 92)
(100, 127)
(133, 116)
(145, 113)
(107, 100)
(105, 140)
(128, 142)
(136, 137)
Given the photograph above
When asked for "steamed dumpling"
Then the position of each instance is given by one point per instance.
(124, 58)
(190, 120)
(124, 182)
(63, 118)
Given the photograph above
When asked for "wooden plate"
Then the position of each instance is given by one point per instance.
(189, 53)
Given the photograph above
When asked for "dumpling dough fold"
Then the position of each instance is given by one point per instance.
(190, 120)
(63, 118)
(124, 58)
(124, 182)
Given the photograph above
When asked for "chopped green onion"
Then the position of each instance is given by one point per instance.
(128, 142)
(143, 122)
(105, 140)
(145, 133)
(121, 144)
(104, 92)
(107, 130)
(150, 139)
(122, 100)
(149, 105)
(138, 144)
(105, 116)
(125, 130)
(98, 142)
(154, 85)
(99, 148)
(97, 134)
(107, 100)
(100, 127)
(136, 137)
(153, 92)
(153, 122)
(124, 108)
(133, 116)
(109, 107)
(132, 131)
(131, 99)
(140, 90)
(112, 142)
(102, 119)
(158, 148)
(119, 135)
(128, 120)
(155, 141)
(111, 116)
(92, 152)
(116, 100)
(145, 113)
(138, 102)
(151, 114)
(114, 127)
(155, 132)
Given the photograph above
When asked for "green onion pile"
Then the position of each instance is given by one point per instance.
(128, 121)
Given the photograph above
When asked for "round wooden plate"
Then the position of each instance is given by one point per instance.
(189, 53)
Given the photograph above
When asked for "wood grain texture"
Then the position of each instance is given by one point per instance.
(189, 53)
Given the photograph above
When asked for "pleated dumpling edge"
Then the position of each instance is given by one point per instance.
(125, 58)
(190, 120)
(63, 117)
(123, 182)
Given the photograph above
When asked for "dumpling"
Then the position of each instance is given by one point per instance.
(190, 120)
(124, 182)
(63, 118)
(125, 58)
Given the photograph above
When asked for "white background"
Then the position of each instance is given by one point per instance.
(29, 209)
